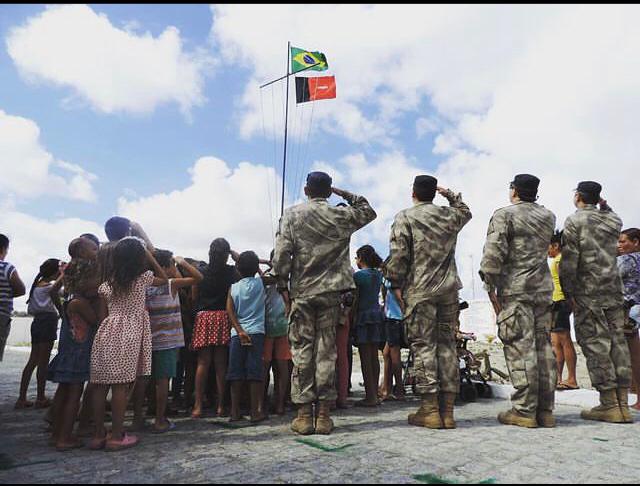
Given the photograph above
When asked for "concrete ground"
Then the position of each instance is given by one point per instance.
(367, 447)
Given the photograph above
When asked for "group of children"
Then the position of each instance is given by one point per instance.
(136, 318)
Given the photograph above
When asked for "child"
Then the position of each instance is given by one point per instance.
(394, 333)
(212, 331)
(167, 335)
(122, 346)
(70, 367)
(43, 306)
(276, 346)
(246, 310)
(369, 320)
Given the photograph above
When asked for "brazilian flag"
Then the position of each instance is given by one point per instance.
(301, 60)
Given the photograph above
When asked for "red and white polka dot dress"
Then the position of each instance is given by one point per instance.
(122, 346)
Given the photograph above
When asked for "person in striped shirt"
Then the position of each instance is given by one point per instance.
(167, 335)
(10, 287)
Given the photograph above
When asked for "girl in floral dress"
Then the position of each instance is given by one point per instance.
(122, 346)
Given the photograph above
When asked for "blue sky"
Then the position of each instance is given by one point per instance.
(151, 153)
(472, 94)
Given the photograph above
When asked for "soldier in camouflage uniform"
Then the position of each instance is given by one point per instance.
(516, 274)
(423, 275)
(591, 282)
(313, 267)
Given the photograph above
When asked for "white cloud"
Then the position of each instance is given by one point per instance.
(34, 240)
(386, 58)
(28, 170)
(112, 69)
(546, 90)
(238, 204)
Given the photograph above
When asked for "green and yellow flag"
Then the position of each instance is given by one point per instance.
(302, 60)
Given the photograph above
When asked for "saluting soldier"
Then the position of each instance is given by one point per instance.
(423, 275)
(313, 267)
(591, 282)
(516, 274)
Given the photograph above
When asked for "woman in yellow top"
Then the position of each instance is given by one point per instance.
(561, 326)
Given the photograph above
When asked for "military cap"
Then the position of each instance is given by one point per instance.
(319, 181)
(526, 182)
(425, 183)
(589, 188)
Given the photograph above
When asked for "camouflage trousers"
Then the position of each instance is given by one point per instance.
(431, 335)
(524, 327)
(312, 336)
(600, 334)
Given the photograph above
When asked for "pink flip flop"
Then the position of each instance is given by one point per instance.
(118, 445)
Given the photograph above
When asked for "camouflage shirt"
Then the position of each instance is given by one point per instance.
(312, 245)
(589, 250)
(514, 260)
(422, 250)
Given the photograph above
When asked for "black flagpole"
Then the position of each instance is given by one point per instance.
(286, 120)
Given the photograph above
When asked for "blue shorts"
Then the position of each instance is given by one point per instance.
(245, 362)
(394, 331)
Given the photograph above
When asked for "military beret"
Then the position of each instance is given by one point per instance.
(425, 183)
(589, 188)
(526, 182)
(319, 181)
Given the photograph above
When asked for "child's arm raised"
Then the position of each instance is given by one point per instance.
(160, 275)
(193, 279)
(245, 339)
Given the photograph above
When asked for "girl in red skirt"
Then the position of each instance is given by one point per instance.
(212, 330)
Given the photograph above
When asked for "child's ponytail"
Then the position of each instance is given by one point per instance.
(47, 270)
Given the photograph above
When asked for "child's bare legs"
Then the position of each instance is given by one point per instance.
(369, 374)
(558, 350)
(84, 419)
(236, 398)
(59, 401)
(39, 357)
(571, 359)
(202, 373)
(220, 362)
(634, 347)
(387, 378)
(189, 381)
(68, 414)
(267, 379)
(140, 387)
(99, 399)
(281, 385)
(256, 390)
(396, 370)
(162, 395)
(41, 375)
(118, 409)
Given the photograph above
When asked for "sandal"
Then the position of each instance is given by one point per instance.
(564, 386)
(118, 445)
(21, 404)
(169, 427)
(97, 444)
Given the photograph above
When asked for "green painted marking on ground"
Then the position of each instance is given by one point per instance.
(322, 447)
(600, 440)
(434, 479)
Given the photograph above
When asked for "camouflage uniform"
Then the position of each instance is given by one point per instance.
(514, 263)
(312, 261)
(422, 264)
(589, 275)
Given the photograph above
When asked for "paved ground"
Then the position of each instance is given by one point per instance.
(377, 447)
